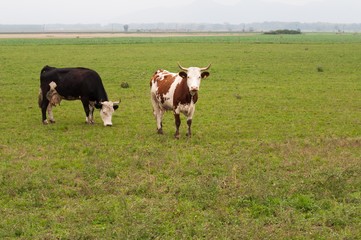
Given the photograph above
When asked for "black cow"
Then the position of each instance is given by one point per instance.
(72, 84)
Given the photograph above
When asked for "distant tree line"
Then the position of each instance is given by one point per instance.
(283, 31)
(271, 27)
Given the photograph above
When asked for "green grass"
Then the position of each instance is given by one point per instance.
(275, 153)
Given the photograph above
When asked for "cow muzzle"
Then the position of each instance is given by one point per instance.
(107, 122)
(193, 90)
(107, 119)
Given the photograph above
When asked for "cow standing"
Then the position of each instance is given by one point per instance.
(177, 92)
(74, 84)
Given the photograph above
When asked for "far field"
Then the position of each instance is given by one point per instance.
(275, 151)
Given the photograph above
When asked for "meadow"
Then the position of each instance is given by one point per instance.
(275, 151)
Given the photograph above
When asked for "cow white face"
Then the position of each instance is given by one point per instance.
(106, 112)
(194, 76)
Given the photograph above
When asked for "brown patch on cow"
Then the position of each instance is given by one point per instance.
(156, 77)
(182, 94)
(164, 81)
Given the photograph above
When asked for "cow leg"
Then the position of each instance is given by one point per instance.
(87, 110)
(158, 114)
(50, 113)
(43, 113)
(44, 107)
(177, 124)
(189, 118)
(159, 118)
(91, 113)
(189, 123)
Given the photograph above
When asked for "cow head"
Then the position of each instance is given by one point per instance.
(194, 76)
(106, 112)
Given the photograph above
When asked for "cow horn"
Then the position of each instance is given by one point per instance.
(183, 68)
(206, 68)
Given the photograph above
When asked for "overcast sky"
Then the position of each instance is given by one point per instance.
(183, 11)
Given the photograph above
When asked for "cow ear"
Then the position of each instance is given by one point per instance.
(205, 74)
(183, 74)
(116, 105)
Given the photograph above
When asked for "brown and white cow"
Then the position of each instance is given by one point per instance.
(177, 92)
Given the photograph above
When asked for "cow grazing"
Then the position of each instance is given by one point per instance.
(177, 92)
(74, 84)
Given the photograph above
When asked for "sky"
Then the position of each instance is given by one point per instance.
(184, 11)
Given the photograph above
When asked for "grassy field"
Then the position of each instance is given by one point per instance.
(275, 151)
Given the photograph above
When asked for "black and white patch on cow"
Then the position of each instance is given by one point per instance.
(81, 84)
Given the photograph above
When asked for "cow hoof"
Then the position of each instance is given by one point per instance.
(160, 131)
(52, 121)
(176, 136)
(45, 122)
